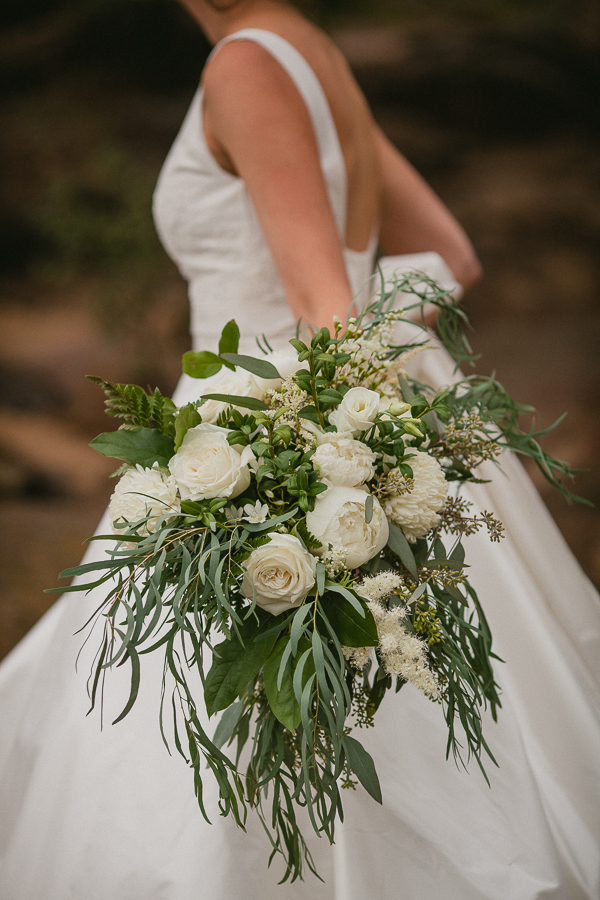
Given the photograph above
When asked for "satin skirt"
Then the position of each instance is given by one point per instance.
(105, 813)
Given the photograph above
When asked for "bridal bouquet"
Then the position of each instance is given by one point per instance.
(291, 543)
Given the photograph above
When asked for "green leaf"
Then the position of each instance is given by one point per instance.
(260, 367)
(144, 446)
(202, 364)
(282, 700)
(352, 629)
(321, 575)
(234, 665)
(399, 545)
(363, 767)
(246, 402)
(186, 418)
(369, 508)
(458, 553)
(310, 413)
(227, 723)
(441, 563)
(230, 338)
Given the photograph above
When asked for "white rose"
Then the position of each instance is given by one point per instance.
(416, 512)
(286, 363)
(139, 493)
(338, 519)
(239, 383)
(281, 572)
(344, 462)
(206, 466)
(357, 411)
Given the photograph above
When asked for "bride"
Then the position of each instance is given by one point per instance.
(272, 201)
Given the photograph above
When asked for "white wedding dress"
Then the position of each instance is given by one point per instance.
(91, 814)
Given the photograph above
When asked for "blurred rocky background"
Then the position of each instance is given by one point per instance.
(495, 101)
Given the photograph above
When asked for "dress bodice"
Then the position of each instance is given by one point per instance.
(208, 224)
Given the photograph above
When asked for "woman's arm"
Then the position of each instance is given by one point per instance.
(257, 126)
(414, 219)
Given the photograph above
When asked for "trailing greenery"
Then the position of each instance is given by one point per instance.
(288, 686)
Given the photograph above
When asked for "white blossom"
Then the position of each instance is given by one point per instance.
(280, 573)
(207, 466)
(139, 493)
(344, 461)
(256, 512)
(356, 412)
(375, 587)
(403, 654)
(338, 519)
(417, 511)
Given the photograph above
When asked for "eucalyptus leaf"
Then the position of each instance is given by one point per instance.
(363, 767)
(143, 446)
(227, 723)
(399, 545)
(260, 367)
(245, 402)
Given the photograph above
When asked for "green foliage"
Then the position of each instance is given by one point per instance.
(187, 417)
(351, 628)
(235, 663)
(136, 408)
(280, 692)
(361, 763)
(143, 446)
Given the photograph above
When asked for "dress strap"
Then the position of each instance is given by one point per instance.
(309, 87)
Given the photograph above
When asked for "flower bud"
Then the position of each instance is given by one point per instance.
(398, 408)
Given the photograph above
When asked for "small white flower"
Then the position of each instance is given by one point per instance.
(256, 512)
(338, 519)
(232, 512)
(139, 493)
(417, 511)
(281, 573)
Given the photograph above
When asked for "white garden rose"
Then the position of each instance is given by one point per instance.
(206, 466)
(239, 383)
(338, 520)
(416, 512)
(139, 493)
(286, 362)
(343, 461)
(356, 412)
(281, 572)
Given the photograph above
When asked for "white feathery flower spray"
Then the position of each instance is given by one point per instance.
(403, 654)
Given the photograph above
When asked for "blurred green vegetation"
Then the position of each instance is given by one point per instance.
(94, 91)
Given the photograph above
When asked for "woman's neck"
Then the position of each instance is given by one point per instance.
(220, 18)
